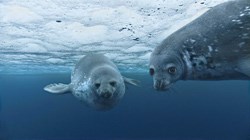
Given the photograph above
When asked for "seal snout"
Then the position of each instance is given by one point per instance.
(106, 94)
(105, 90)
(161, 84)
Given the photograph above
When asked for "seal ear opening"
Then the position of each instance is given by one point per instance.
(58, 88)
(131, 81)
(244, 66)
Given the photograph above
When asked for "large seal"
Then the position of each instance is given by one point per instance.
(215, 46)
(96, 81)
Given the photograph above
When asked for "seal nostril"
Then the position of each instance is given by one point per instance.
(161, 85)
(157, 85)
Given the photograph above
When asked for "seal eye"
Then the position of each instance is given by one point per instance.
(151, 71)
(172, 70)
(97, 85)
(113, 83)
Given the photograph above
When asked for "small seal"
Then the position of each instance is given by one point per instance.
(215, 46)
(96, 81)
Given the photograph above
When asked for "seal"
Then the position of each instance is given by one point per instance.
(215, 46)
(96, 81)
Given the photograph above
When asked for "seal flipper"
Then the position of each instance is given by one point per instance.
(58, 88)
(244, 66)
(131, 81)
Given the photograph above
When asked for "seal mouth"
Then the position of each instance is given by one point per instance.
(162, 85)
(106, 95)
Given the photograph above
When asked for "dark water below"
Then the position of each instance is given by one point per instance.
(194, 110)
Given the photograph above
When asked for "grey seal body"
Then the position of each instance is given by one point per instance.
(215, 46)
(96, 81)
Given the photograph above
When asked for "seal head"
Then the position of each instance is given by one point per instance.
(165, 68)
(106, 88)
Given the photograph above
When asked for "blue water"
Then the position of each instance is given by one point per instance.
(193, 110)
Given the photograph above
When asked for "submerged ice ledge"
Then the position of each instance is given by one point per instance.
(51, 36)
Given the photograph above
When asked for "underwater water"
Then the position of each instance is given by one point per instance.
(193, 110)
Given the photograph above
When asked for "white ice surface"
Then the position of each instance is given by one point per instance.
(51, 35)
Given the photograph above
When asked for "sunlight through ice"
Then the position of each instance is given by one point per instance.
(51, 35)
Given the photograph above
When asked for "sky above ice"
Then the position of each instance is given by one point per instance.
(50, 36)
